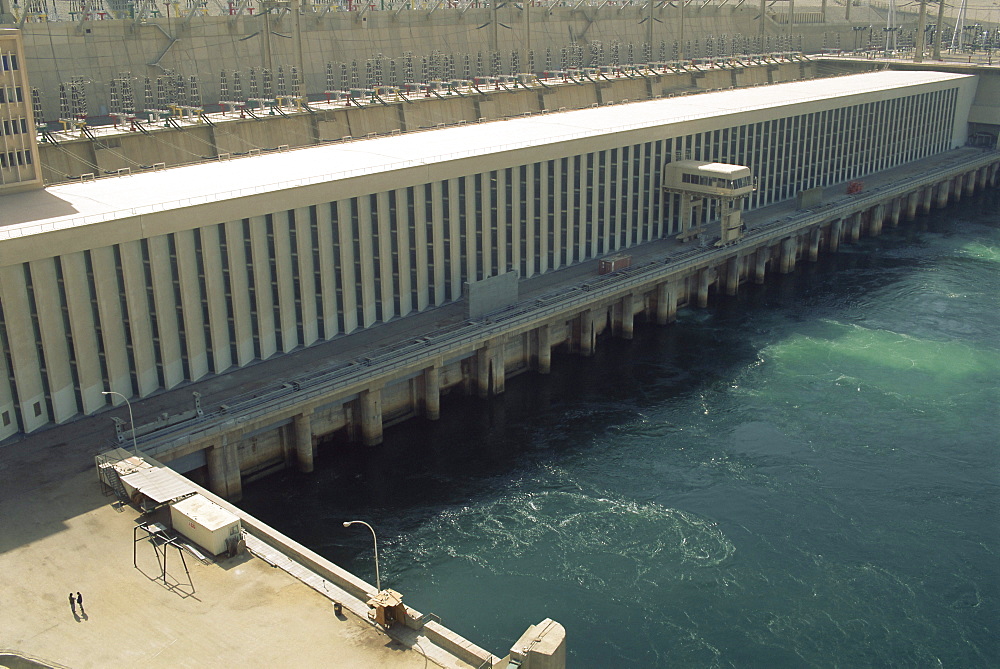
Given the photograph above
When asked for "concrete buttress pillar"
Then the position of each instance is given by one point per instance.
(956, 188)
(814, 236)
(895, 211)
(626, 320)
(490, 372)
(544, 350)
(432, 393)
(371, 416)
(943, 193)
(302, 424)
(970, 183)
(733, 266)
(223, 461)
(836, 232)
(911, 206)
(760, 264)
(704, 281)
(878, 215)
(981, 176)
(666, 303)
(788, 249)
(926, 199)
(855, 228)
(587, 334)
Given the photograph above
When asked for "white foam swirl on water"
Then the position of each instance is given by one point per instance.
(599, 543)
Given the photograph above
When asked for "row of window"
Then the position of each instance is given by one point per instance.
(17, 126)
(11, 94)
(8, 62)
(15, 158)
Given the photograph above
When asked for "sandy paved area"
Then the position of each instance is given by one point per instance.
(65, 537)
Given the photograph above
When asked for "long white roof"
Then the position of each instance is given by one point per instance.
(70, 205)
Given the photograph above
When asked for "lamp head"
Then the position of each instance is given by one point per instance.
(347, 523)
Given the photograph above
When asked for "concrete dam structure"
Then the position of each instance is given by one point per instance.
(364, 248)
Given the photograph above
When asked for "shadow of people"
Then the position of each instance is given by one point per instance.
(76, 616)
(83, 614)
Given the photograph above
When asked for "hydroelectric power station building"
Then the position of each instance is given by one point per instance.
(140, 283)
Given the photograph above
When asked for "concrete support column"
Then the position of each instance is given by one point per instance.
(371, 416)
(490, 369)
(666, 303)
(926, 199)
(704, 281)
(302, 424)
(956, 188)
(587, 335)
(788, 249)
(432, 393)
(223, 461)
(895, 211)
(814, 236)
(733, 275)
(943, 194)
(625, 325)
(911, 206)
(856, 228)
(878, 215)
(836, 232)
(970, 183)
(760, 264)
(981, 176)
(544, 350)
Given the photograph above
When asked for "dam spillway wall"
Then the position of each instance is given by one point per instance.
(359, 400)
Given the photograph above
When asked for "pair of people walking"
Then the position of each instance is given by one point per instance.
(76, 601)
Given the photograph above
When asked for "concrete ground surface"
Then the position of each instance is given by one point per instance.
(66, 537)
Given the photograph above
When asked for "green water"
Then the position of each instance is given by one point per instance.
(803, 476)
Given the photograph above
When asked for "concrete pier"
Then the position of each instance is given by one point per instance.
(544, 354)
(587, 336)
(926, 199)
(877, 216)
(789, 249)
(666, 303)
(704, 281)
(304, 440)
(856, 227)
(733, 275)
(371, 415)
(814, 240)
(895, 210)
(760, 264)
(223, 463)
(836, 234)
(432, 393)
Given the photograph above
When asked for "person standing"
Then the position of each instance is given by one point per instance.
(79, 600)
(72, 602)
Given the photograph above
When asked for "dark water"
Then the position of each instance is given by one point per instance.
(806, 475)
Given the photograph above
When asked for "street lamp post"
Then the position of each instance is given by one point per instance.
(378, 580)
(131, 420)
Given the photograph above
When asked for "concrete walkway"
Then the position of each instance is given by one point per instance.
(64, 536)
